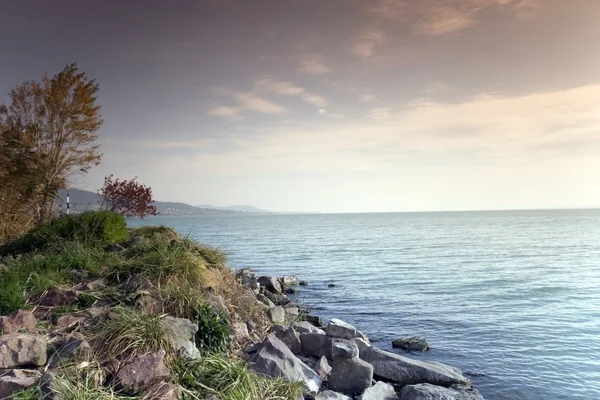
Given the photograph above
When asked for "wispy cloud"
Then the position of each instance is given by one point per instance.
(366, 98)
(315, 100)
(313, 64)
(368, 41)
(379, 114)
(279, 87)
(258, 104)
(223, 111)
(439, 17)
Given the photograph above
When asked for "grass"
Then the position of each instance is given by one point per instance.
(125, 333)
(230, 379)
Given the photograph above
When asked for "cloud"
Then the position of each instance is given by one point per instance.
(366, 98)
(227, 112)
(379, 114)
(278, 87)
(369, 40)
(258, 104)
(439, 17)
(322, 111)
(315, 100)
(314, 65)
(435, 88)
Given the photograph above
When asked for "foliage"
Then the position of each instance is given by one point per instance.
(54, 122)
(101, 227)
(213, 330)
(230, 379)
(125, 333)
(130, 198)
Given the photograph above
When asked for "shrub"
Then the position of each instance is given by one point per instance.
(213, 330)
(230, 379)
(129, 198)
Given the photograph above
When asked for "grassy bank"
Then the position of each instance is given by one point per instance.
(121, 284)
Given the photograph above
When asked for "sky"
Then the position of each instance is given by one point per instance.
(332, 106)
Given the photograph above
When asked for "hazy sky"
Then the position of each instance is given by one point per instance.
(332, 105)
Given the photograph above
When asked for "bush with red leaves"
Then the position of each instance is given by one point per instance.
(130, 198)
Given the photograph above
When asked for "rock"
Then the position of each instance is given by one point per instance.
(149, 301)
(362, 336)
(340, 329)
(331, 285)
(314, 344)
(255, 287)
(413, 343)
(10, 385)
(93, 285)
(251, 326)
(74, 350)
(49, 385)
(143, 372)
(406, 371)
(19, 320)
(350, 375)
(425, 391)
(342, 348)
(279, 299)
(238, 331)
(361, 344)
(315, 321)
(289, 280)
(291, 314)
(265, 300)
(323, 368)
(58, 296)
(78, 275)
(289, 337)
(303, 283)
(163, 391)
(181, 336)
(64, 321)
(274, 359)
(290, 290)
(22, 350)
(270, 283)
(306, 327)
(379, 391)
(277, 314)
(331, 395)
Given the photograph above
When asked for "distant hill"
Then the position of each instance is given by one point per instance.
(241, 208)
(83, 200)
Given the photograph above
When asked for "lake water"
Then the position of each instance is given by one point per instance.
(511, 296)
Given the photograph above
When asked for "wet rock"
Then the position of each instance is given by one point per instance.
(163, 391)
(73, 351)
(22, 350)
(331, 285)
(290, 290)
(342, 348)
(58, 296)
(322, 368)
(303, 283)
(413, 343)
(331, 395)
(19, 320)
(143, 372)
(306, 327)
(350, 375)
(426, 391)
(289, 337)
(181, 336)
(406, 371)
(289, 280)
(270, 283)
(379, 391)
(314, 344)
(277, 314)
(340, 329)
(276, 360)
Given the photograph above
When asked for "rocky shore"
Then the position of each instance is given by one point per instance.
(92, 310)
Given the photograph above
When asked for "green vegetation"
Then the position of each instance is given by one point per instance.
(230, 379)
(213, 330)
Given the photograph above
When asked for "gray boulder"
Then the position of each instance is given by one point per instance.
(361, 344)
(323, 368)
(314, 344)
(289, 280)
(142, 373)
(406, 371)
(277, 314)
(342, 348)
(291, 313)
(22, 350)
(350, 376)
(73, 351)
(12, 384)
(289, 337)
(413, 343)
(279, 299)
(306, 327)
(274, 359)
(265, 300)
(270, 283)
(331, 395)
(181, 333)
(340, 329)
(379, 391)
(425, 391)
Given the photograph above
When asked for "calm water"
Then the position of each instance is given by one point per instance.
(514, 296)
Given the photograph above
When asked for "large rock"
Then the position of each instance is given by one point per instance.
(22, 350)
(340, 329)
(265, 300)
(323, 368)
(19, 320)
(343, 348)
(314, 320)
(407, 371)
(274, 359)
(279, 299)
(73, 351)
(181, 334)
(331, 395)
(270, 283)
(58, 296)
(277, 314)
(379, 391)
(11, 384)
(314, 344)
(289, 280)
(142, 373)
(413, 343)
(289, 337)
(426, 391)
(350, 376)
(361, 344)
(306, 327)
